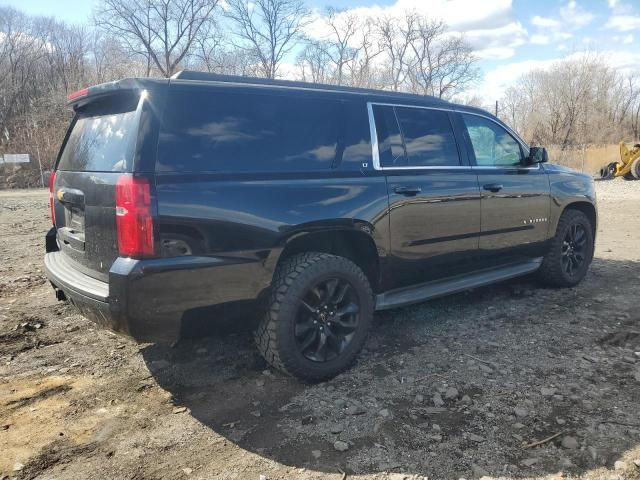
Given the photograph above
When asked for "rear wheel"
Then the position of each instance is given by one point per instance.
(318, 317)
(571, 251)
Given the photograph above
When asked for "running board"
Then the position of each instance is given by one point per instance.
(426, 291)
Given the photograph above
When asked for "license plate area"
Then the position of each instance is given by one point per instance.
(74, 219)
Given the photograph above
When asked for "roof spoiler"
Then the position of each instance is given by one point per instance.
(88, 94)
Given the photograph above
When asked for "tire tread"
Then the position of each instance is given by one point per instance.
(550, 272)
(266, 335)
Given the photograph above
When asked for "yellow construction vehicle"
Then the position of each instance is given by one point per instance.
(628, 167)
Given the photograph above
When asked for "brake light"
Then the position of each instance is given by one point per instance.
(134, 220)
(80, 93)
(52, 179)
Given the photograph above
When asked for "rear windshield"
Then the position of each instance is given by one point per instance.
(102, 139)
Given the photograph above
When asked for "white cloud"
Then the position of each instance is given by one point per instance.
(496, 53)
(489, 25)
(624, 39)
(496, 81)
(612, 3)
(624, 23)
(539, 21)
(574, 15)
(571, 15)
(461, 14)
(627, 61)
(288, 71)
(540, 39)
(558, 27)
(510, 35)
(553, 37)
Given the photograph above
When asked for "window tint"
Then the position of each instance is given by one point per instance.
(390, 145)
(102, 138)
(216, 130)
(492, 144)
(357, 136)
(428, 137)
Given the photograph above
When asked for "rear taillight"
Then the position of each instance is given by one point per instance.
(134, 220)
(52, 179)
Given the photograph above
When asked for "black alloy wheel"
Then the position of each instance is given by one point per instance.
(570, 251)
(317, 317)
(327, 319)
(574, 248)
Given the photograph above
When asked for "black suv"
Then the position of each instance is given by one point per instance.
(321, 204)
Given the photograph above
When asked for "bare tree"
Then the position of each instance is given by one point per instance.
(396, 36)
(362, 71)
(67, 47)
(339, 48)
(441, 64)
(212, 51)
(314, 64)
(268, 29)
(344, 56)
(575, 102)
(109, 59)
(21, 51)
(162, 31)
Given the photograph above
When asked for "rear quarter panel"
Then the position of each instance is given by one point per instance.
(250, 218)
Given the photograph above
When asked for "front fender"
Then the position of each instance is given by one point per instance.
(568, 187)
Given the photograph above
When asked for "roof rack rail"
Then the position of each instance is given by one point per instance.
(215, 77)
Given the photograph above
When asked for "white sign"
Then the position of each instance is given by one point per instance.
(15, 158)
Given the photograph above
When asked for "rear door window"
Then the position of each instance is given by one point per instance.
(428, 137)
(212, 130)
(390, 146)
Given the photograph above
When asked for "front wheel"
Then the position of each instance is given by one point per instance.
(635, 169)
(318, 316)
(568, 259)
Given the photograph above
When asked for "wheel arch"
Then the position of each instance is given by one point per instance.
(351, 243)
(588, 209)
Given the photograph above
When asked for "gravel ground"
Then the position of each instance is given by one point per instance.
(461, 387)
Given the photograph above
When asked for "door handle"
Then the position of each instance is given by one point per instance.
(493, 187)
(407, 191)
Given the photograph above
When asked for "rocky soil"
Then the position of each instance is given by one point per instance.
(509, 381)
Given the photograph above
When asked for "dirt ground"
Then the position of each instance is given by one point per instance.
(454, 388)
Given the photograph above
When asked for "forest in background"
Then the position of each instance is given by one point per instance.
(577, 102)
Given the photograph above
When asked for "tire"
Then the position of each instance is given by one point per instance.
(608, 172)
(635, 169)
(295, 311)
(555, 270)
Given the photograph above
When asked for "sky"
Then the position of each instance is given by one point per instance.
(509, 37)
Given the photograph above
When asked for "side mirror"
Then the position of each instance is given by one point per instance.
(537, 155)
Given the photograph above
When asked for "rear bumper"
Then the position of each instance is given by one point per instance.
(148, 299)
(96, 300)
